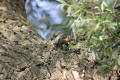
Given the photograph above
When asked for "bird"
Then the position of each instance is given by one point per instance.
(61, 40)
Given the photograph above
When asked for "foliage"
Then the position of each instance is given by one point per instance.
(101, 22)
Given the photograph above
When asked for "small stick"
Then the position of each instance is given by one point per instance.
(116, 2)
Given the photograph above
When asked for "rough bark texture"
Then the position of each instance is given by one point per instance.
(17, 6)
(25, 56)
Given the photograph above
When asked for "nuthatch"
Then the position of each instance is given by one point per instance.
(61, 40)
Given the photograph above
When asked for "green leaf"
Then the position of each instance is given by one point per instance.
(103, 69)
(94, 54)
(69, 11)
(62, 5)
(109, 52)
(119, 62)
(88, 27)
(103, 62)
(62, 1)
(107, 4)
(73, 46)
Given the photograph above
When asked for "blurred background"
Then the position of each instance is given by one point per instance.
(46, 16)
